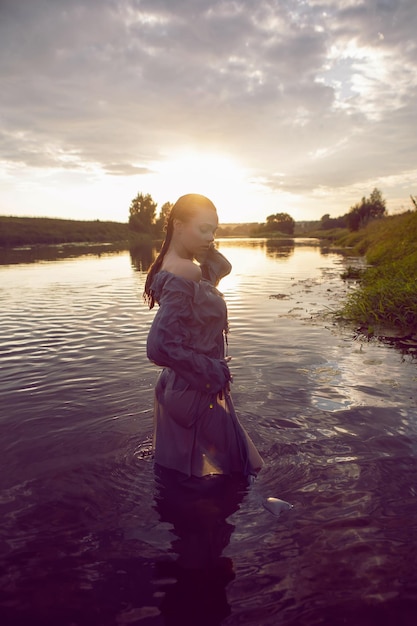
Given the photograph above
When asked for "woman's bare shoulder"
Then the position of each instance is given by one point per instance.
(184, 268)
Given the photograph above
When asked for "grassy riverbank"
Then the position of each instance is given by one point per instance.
(27, 231)
(387, 294)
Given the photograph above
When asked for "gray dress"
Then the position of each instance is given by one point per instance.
(196, 430)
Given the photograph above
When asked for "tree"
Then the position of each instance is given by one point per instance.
(354, 217)
(327, 222)
(163, 217)
(142, 213)
(377, 204)
(281, 222)
(368, 208)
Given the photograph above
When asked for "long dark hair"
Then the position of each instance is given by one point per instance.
(185, 208)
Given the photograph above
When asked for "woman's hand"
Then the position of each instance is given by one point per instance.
(226, 389)
(202, 257)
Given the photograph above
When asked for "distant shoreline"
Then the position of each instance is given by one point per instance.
(30, 231)
(33, 231)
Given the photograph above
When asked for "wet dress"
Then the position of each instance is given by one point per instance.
(196, 430)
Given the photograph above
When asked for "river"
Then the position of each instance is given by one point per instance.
(84, 539)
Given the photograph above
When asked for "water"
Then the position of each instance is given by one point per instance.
(88, 537)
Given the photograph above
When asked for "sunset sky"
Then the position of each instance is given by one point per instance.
(297, 106)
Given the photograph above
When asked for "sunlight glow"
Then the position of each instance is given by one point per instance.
(214, 175)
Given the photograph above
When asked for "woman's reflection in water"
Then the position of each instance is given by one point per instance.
(194, 585)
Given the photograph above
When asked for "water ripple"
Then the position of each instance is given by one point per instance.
(334, 417)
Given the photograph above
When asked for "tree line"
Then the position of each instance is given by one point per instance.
(359, 215)
(143, 217)
(145, 224)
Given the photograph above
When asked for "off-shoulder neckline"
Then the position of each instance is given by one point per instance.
(187, 280)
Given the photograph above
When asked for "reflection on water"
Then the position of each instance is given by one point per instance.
(90, 536)
(279, 248)
(194, 585)
(142, 257)
(35, 254)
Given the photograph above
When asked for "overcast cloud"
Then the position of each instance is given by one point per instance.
(315, 100)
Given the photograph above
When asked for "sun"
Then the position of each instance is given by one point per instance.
(216, 176)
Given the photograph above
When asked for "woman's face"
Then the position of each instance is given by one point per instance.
(197, 234)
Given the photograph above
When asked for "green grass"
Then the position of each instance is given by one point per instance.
(387, 295)
(24, 231)
(271, 234)
(332, 234)
(352, 273)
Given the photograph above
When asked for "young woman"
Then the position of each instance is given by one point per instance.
(196, 430)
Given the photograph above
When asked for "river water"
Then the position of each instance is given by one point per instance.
(85, 537)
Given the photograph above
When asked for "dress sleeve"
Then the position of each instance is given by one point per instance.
(215, 266)
(169, 343)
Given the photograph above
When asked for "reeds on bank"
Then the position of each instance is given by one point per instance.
(387, 291)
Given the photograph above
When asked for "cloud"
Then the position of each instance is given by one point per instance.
(123, 169)
(323, 90)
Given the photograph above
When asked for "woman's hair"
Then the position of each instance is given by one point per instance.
(185, 208)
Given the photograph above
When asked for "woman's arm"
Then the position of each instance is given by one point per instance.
(169, 345)
(215, 266)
